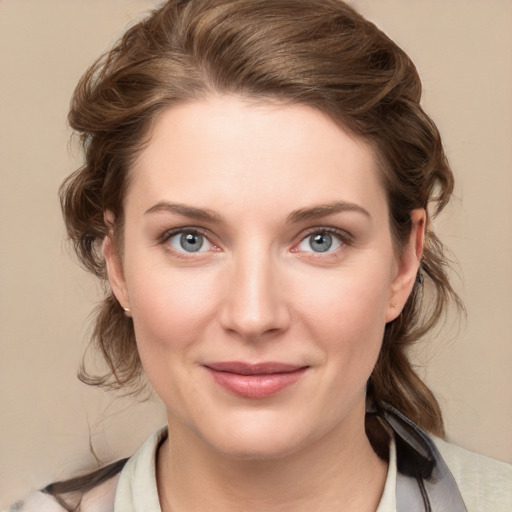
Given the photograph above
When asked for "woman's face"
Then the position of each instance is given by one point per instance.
(259, 270)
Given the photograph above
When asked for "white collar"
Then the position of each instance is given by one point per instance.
(137, 490)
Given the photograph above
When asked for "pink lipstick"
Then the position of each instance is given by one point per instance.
(255, 380)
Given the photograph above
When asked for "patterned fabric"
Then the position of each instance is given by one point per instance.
(424, 481)
(424, 474)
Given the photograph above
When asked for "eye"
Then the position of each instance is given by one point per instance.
(320, 241)
(189, 241)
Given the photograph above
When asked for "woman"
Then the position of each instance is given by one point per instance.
(258, 190)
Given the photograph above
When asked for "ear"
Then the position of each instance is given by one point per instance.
(114, 264)
(408, 265)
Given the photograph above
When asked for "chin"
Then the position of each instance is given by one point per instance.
(256, 447)
(257, 438)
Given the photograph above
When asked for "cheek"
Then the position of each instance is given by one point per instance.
(351, 301)
(171, 314)
(347, 316)
(170, 308)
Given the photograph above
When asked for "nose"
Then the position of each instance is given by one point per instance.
(255, 305)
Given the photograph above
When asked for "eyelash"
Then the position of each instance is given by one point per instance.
(168, 235)
(344, 238)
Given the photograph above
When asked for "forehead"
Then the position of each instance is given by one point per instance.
(225, 150)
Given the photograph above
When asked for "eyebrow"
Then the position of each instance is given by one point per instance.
(304, 214)
(323, 210)
(186, 211)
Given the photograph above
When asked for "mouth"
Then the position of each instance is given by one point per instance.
(258, 380)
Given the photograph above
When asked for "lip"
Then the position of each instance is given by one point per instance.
(258, 380)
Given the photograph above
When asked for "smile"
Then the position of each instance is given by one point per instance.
(255, 380)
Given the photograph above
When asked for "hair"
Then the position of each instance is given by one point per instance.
(318, 53)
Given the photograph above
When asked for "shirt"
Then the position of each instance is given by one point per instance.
(485, 484)
(137, 491)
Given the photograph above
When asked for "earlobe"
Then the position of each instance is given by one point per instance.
(114, 265)
(408, 265)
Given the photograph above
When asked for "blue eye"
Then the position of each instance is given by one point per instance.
(189, 241)
(321, 241)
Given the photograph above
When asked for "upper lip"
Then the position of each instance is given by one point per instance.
(242, 368)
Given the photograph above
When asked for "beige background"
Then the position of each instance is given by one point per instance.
(463, 49)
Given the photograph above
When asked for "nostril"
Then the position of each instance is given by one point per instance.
(254, 305)
(252, 328)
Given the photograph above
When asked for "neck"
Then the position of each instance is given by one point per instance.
(337, 472)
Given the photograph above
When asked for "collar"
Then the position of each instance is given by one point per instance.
(418, 478)
(137, 490)
(423, 481)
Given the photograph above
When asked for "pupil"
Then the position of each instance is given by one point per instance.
(191, 242)
(321, 242)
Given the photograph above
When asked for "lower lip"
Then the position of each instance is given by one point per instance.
(256, 386)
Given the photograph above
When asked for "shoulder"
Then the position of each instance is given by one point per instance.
(485, 483)
(36, 501)
(100, 499)
(136, 478)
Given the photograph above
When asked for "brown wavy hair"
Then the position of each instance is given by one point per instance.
(319, 53)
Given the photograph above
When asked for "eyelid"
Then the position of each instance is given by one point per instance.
(170, 233)
(344, 237)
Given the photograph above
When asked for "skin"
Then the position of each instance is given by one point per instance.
(258, 291)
